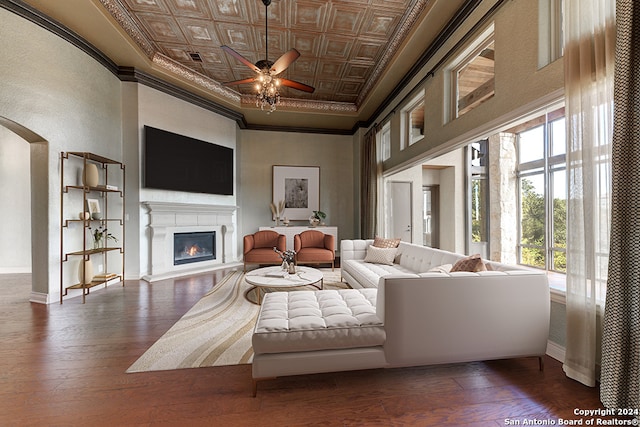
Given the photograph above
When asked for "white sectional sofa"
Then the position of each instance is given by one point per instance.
(403, 315)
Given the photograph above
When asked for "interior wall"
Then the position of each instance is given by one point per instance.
(413, 175)
(162, 111)
(58, 92)
(261, 150)
(450, 176)
(15, 211)
(518, 83)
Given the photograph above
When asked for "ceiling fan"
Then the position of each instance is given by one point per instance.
(266, 80)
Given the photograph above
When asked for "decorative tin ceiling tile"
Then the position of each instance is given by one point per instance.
(278, 12)
(304, 67)
(229, 10)
(357, 71)
(336, 47)
(238, 37)
(345, 20)
(189, 8)
(199, 32)
(365, 50)
(380, 24)
(153, 6)
(309, 15)
(177, 53)
(331, 69)
(162, 28)
(308, 44)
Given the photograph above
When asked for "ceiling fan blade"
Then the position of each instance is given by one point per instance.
(297, 85)
(240, 58)
(284, 61)
(239, 82)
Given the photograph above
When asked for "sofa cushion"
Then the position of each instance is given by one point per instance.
(420, 259)
(379, 255)
(380, 242)
(444, 268)
(308, 321)
(472, 263)
(367, 274)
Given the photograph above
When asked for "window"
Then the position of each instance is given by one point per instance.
(473, 75)
(413, 121)
(385, 141)
(479, 203)
(542, 180)
(550, 31)
(431, 215)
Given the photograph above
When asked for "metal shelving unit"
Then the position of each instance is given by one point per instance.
(106, 194)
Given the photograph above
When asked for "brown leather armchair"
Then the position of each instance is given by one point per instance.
(258, 247)
(314, 247)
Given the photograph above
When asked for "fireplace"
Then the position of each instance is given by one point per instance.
(166, 219)
(194, 247)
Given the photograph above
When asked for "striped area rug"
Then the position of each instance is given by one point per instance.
(216, 331)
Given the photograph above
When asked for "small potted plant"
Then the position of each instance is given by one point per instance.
(100, 237)
(317, 218)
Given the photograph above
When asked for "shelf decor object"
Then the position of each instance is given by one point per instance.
(85, 272)
(101, 208)
(90, 175)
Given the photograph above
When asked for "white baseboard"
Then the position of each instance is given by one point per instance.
(15, 270)
(39, 298)
(556, 351)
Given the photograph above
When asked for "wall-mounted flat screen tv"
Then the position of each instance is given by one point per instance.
(180, 163)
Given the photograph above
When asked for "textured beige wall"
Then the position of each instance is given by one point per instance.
(58, 92)
(15, 211)
(259, 151)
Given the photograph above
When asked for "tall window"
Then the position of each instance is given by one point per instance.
(542, 179)
(479, 202)
(385, 141)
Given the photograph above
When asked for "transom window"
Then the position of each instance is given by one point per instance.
(413, 121)
(473, 75)
(385, 141)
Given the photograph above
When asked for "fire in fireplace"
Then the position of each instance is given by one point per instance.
(194, 247)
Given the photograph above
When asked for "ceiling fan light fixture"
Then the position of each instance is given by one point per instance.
(266, 82)
(268, 94)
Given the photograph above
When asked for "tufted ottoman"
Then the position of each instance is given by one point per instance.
(310, 332)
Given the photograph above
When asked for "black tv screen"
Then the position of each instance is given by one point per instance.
(179, 163)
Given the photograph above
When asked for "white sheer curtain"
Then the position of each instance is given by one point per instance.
(589, 67)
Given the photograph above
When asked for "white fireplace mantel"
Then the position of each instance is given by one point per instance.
(167, 218)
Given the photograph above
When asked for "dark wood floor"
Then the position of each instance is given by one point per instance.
(64, 365)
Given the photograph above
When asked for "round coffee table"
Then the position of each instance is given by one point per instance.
(275, 277)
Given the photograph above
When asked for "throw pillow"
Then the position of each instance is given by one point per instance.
(379, 242)
(471, 263)
(380, 255)
(444, 268)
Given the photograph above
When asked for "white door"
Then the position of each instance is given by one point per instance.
(400, 210)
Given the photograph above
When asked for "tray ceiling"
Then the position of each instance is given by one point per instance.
(354, 52)
(345, 45)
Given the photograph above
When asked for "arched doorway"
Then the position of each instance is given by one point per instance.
(39, 212)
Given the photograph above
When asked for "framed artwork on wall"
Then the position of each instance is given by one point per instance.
(299, 187)
(93, 206)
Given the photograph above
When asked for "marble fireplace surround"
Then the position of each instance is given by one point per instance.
(167, 218)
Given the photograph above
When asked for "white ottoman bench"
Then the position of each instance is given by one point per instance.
(305, 332)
